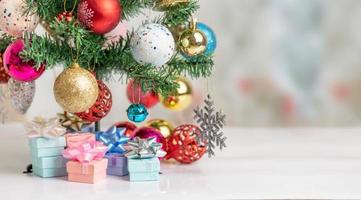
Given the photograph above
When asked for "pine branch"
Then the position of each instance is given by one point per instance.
(180, 13)
(72, 42)
(47, 10)
(131, 8)
(196, 67)
(5, 40)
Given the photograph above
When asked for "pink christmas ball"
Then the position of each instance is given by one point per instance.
(16, 67)
(148, 132)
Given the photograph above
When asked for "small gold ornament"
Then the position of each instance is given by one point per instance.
(70, 121)
(178, 30)
(163, 126)
(164, 4)
(182, 97)
(192, 42)
(76, 89)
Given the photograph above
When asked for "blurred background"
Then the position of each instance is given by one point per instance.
(278, 63)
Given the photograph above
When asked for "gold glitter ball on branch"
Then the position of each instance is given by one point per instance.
(76, 89)
(164, 4)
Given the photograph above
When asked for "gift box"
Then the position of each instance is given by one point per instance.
(87, 172)
(49, 162)
(117, 165)
(77, 139)
(45, 147)
(146, 169)
(46, 156)
(49, 172)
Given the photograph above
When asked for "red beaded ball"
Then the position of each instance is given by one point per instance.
(101, 107)
(183, 146)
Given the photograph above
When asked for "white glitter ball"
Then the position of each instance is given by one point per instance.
(13, 21)
(153, 44)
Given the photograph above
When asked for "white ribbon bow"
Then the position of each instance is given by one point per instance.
(41, 127)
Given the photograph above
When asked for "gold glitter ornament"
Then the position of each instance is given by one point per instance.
(192, 42)
(163, 126)
(164, 4)
(76, 89)
(182, 98)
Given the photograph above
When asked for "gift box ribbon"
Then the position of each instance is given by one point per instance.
(114, 138)
(86, 152)
(144, 148)
(41, 127)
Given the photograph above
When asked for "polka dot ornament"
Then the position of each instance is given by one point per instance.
(183, 145)
(153, 44)
(13, 21)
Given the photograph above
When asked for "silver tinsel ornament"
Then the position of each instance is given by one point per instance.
(211, 124)
(21, 94)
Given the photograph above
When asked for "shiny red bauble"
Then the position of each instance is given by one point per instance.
(4, 76)
(100, 16)
(182, 145)
(101, 107)
(136, 95)
(129, 128)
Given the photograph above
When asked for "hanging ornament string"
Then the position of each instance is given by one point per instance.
(74, 5)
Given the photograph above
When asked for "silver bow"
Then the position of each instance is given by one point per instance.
(41, 127)
(144, 148)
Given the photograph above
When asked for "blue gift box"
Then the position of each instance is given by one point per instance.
(44, 147)
(49, 162)
(51, 172)
(46, 152)
(144, 169)
(146, 176)
(117, 165)
(41, 142)
(46, 156)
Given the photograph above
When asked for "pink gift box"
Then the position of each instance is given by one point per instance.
(88, 172)
(74, 140)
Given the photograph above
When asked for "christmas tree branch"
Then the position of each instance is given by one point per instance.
(180, 13)
(196, 67)
(73, 42)
(5, 40)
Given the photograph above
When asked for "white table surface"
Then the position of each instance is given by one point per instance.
(258, 164)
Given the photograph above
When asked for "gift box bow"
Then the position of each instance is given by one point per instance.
(114, 138)
(144, 148)
(86, 152)
(41, 127)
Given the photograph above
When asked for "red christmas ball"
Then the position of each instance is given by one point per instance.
(4, 76)
(183, 146)
(101, 107)
(136, 95)
(100, 16)
(129, 128)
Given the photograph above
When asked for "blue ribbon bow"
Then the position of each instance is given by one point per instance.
(114, 138)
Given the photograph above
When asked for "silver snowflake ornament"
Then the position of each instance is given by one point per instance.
(211, 124)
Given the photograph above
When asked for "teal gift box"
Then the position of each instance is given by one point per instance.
(144, 169)
(46, 156)
(50, 172)
(49, 162)
(44, 147)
